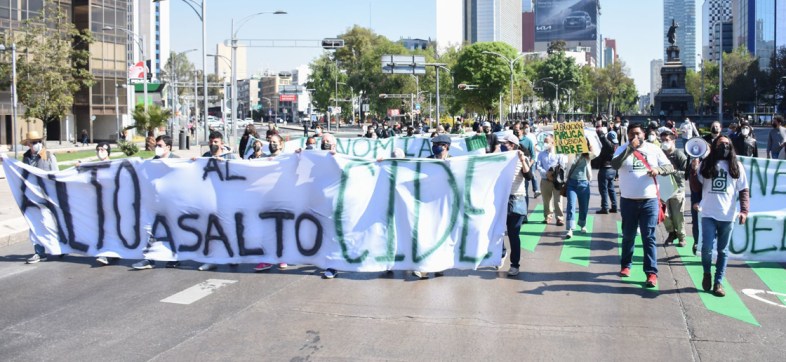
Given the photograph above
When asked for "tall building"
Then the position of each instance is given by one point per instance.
(683, 12)
(528, 31)
(223, 62)
(574, 22)
(493, 20)
(610, 55)
(151, 23)
(716, 15)
(759, 27)
(655, 78)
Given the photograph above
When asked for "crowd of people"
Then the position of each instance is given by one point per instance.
(632, 155)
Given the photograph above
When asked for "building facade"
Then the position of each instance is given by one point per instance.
(528, 31)
(493, 20)
(715, 13)
(655, 78)
(610, 55)
(759, 27)
(223, 62)
(683, 12)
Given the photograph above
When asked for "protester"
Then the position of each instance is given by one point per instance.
(639, 162)
(718, 206)
(776, 137)
(103, 150)
(84, 137)
(517, 202)
(311, 143)
(163, 150)
(745, 143)
(578, 178)
(492, 143)
(715, 131)
(220, 151)
(329, 144)
(39, 157)
(256, 150)
(249, 134)
(440, 149)
(529, 145)
(606, 173)
(551, 167)
(688, 130)
(675, 219)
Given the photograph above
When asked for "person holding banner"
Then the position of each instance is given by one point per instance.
(638, 163)
(276, 146)
(720, 178)
(248, 136)
(492, 142)
(578, 180)
(103, 150)
(39, 157)
(220, 151)
(517, 203)
(549, 165)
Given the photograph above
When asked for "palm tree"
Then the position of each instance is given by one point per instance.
(155, 117)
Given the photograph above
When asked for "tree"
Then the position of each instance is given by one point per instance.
(155, 117)
(52, 64)
(179, 68)
(487, 72)
(561, 70)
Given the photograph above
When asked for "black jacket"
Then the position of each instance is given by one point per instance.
(606, 153)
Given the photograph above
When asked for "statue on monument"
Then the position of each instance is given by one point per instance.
(672, 34)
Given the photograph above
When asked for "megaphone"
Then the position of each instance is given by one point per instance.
(697, 147)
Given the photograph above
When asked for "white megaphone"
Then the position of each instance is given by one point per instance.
(697, 147)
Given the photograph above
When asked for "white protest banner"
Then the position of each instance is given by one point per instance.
(763, 236)
(374, 148)
(307, 208)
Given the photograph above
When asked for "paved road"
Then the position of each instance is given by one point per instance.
(567, 304)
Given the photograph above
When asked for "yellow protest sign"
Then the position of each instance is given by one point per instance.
(569, 138)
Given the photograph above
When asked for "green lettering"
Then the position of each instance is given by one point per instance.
(390, 255)
(469, 208)
(775, 177)
(426, 145)
(757, 229)
(338, 213)
(454, 210)
(747, 239)
(355, 147)
(385, 144)
(406, 147)
(342, 145)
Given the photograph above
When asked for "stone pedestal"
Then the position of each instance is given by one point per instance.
(673, 99)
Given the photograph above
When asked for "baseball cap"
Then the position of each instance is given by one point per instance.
(441, 139)
(510, 138)
(486, 124)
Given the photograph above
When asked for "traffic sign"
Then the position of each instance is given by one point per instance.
(332, 43)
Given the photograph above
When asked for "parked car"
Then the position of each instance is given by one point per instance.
(577, 20)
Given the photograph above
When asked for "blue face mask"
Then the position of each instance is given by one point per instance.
(504, 148)
(437, 149)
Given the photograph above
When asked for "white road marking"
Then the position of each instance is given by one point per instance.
(754, 293)
(197, 292)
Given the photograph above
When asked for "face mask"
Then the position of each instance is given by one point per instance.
(438, 149)
(310, 147)
(504, 148)
(724, 149)
(651, 138)
(715, 130)
(159, 151)
(325, 146)
(547, 146)
(257, 147)
(604, 130)
(273, 147)
(102, 155)
(667, 146)
(746, 132)
(213, 149)
(37, 147)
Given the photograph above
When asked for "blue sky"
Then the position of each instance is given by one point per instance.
(636, 24)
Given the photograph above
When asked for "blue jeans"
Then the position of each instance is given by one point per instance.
(606, 187)
(644, 215)
(577, 191)
(712, 230)
(535, 183)
(40, 250)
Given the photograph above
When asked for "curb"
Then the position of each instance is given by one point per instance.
(15, 237)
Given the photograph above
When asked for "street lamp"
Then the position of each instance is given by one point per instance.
(140, 41)
(556, 86)
(233, 67)
(203, 17)
(174, 79)
(13, 94)
(117, 108)
(511, 63)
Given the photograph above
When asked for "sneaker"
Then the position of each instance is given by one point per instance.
(102, 260)
(681, 243)
(329, 273)
(706, 282)
(613, 210)
(652, 281)
(670, 239)
(35, 258)
(263, 266)
(718, 290)
(144, 264)
(283, 266)
(560, 222)
(548, 220)
(537, 194)
(207, 266)
(602, 211)
(513, 271)
(419, 274)
(172, 264)
(569, 234)
(625, 272)
(584, 229)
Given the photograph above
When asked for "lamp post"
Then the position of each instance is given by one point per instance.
(140, 42)
(556, 86)
(117, 108)
(511, 63)
(701, 100)
(233, 61)
(14, 96)
(203, 17)
(174, 85)
(224, 90)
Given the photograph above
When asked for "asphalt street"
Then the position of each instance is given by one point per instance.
(567, 304)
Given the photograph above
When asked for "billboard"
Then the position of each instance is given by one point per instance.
(566, 20)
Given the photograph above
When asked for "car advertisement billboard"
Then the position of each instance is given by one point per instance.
(566, 20)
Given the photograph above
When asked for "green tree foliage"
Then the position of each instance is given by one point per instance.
(560, 70)
(179, 68)
(488, 72)
(155, 117)
(52, 59)
(693, 84)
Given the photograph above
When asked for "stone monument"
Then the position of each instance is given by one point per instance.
(673, 99)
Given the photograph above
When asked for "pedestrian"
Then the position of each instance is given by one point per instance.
(492, 142)
(39, 157)
(776, 137)
(103, 151)
(688, 130)
(249, 134)
(529, 145)
(623, 131)
(745, 143)
(163, 151)
(578, 179)
(721, 179)
(638, 163)
(715, 131)
(84, 137)
(551, 167)
(329, 144)
(220, 151)
(606, 173)
(675, 219)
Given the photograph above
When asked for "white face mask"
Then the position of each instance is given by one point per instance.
(604, 130)
(547, 146)
(667, 146)
(102, 155)
(651, 138)
(160, 151)
(37, 147)
(746, 132)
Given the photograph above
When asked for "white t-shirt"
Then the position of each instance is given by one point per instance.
(687, 130)
(719, 195)
(634, 181)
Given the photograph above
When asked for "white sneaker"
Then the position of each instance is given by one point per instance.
(207, 266)
(584, 229)
(144, 264)
(102, 260)
(569, 234)
(419, 275)
(537, 194)
(329, 273)
(283, 266)
(513, 271)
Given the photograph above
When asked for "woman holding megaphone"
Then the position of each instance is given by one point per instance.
(719, 178)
